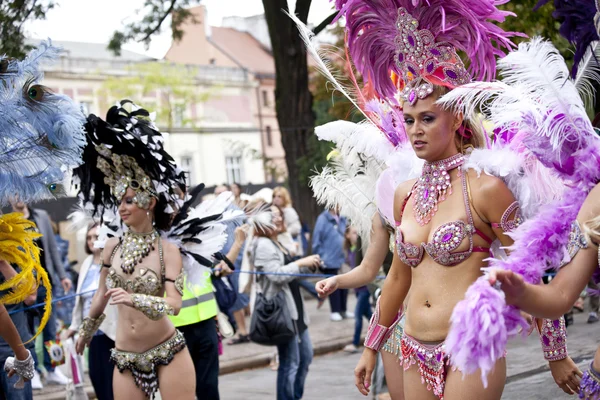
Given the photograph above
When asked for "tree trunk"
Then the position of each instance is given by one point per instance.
(293, 97)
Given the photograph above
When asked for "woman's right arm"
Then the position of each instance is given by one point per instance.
(268, 257)
(366, 272)
(395, 288)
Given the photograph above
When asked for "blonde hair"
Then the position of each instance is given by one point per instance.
(287, 199)
(476, 137)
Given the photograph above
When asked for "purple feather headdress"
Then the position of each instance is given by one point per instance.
(382, 42)
(576, 25)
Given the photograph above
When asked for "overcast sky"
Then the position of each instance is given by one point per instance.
(95, 20)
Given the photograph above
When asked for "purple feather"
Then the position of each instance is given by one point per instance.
(538, 243)
(479, 335)
(467, 25)
(577, 25)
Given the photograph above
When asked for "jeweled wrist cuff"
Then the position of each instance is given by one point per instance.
(152, 306)
(589, 387)
(89, 326)
(378, 334)
(553, 335)
(23, 368)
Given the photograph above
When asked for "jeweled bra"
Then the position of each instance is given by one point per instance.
(447, 238)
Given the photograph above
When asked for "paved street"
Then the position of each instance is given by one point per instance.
(331, 375)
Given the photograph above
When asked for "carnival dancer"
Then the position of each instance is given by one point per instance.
(127, 171)
(41, 138)
(427, 67)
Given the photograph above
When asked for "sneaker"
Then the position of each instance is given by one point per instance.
(56, 377)
(351, 348)
(36, 382)
(593, 317)
(336, 316)
(347, 315)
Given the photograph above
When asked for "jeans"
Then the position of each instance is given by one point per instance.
(339, 298)
(49, 333)
(305, 350)
(203, 344)
(294, 359)
(8, 392)
(363, 309)
(100, 367)
(309, 287)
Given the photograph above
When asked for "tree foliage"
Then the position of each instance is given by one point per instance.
(174, 85)
(536, 22)
(13, 15)
(155, 13)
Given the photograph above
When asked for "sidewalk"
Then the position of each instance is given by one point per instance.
(524, 355)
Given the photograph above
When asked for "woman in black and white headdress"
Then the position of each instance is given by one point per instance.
(128, 172)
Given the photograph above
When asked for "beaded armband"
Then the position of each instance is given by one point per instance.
(89, 326)
(589, 387)
(577, 241)
(23, 368)
(553, 335)
(377, 334)
(507, 224)
(153, 307)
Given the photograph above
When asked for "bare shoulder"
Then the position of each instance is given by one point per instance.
(109, 248)
(402, 191)
(170, 248)
(486, 185)
(591, 206)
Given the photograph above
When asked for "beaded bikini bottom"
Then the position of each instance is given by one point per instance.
(431, 360)
(143, 366)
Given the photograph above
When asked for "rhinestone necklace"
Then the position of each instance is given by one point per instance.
(433, 186)
(134, 247)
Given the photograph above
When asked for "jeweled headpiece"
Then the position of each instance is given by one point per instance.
(123, 172)
(405, 47)
(424, 62)
(127, 151)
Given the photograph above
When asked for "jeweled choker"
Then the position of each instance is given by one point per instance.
(433, 186)
(134, 247)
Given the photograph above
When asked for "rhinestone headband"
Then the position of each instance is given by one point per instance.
(125, 173)
(423, 62)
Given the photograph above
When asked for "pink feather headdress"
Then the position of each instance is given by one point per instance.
(408, 46)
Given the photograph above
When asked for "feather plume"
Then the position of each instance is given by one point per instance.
(349, 183)
(467, 25)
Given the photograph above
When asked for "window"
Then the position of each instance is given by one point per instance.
(233, 165)
(187, 164)
(269, 137)
(265, 96)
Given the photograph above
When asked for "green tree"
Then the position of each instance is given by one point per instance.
(13, 15)
(537, 22)
(175, 85)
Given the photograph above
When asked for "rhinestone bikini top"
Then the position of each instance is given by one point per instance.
(447, 238)
(147, 282)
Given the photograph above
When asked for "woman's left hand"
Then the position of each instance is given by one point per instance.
(566, 375)
(119, 296)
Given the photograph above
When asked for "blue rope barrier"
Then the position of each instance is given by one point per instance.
(56, 300)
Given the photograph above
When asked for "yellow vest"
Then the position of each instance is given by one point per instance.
(198, 304)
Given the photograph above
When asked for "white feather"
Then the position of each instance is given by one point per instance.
(363, 138)
(588, 74)
(323, 64)
(349, 183)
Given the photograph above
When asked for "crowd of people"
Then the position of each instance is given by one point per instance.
(464, 221)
